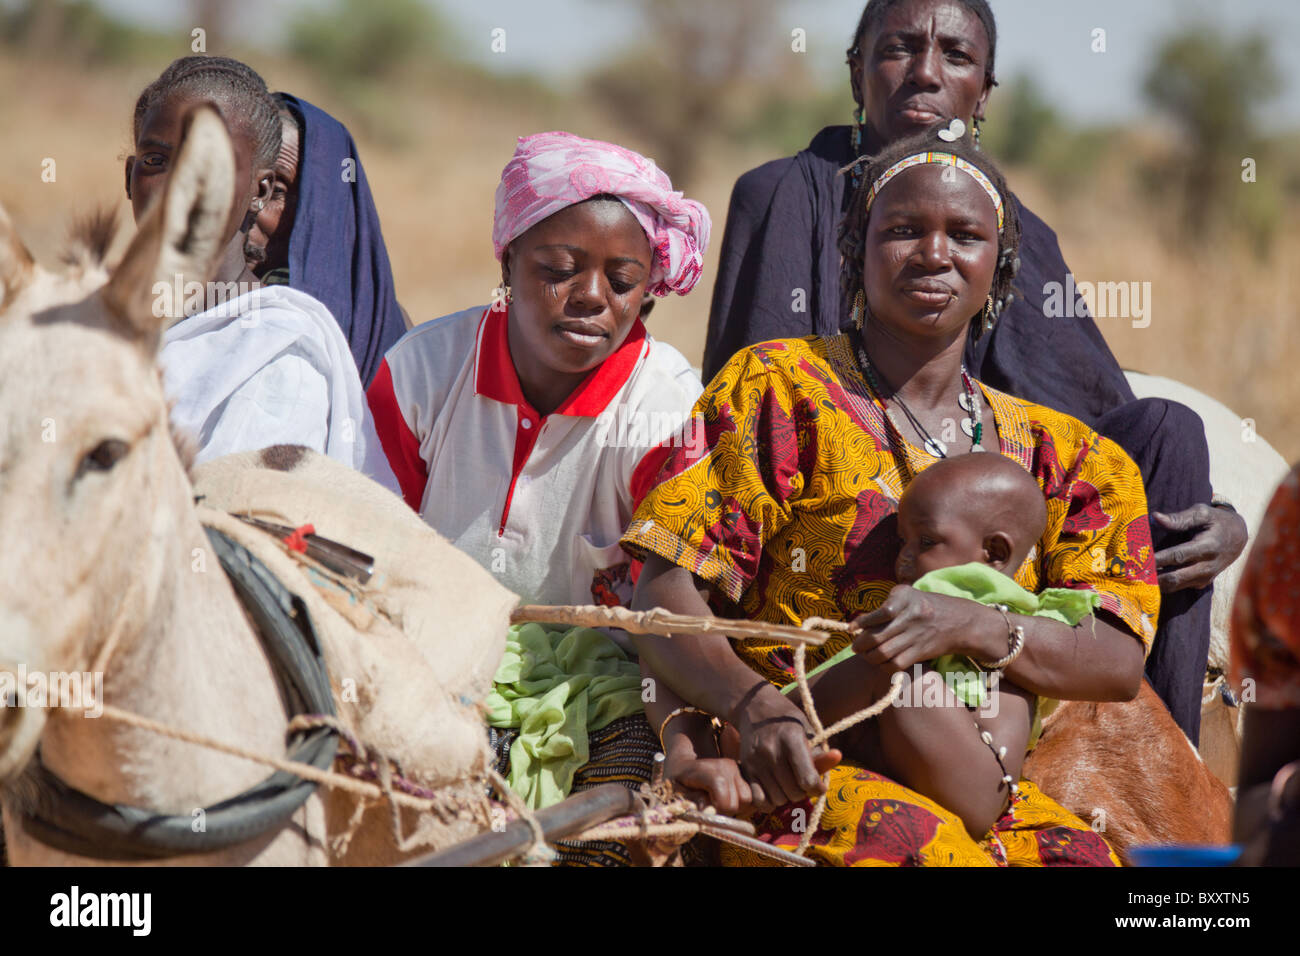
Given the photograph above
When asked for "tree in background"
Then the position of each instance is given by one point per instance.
(1212, 86)
(359, 40)
(682, 83)
(74, 30)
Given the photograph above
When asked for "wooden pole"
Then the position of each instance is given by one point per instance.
(669, 624)
(572, 815)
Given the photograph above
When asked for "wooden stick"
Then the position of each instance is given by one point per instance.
(716, 821)
(573, 815)
(781, 854)
(661, 622)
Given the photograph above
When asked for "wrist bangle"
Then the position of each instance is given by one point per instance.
(715, 724)
(1015, 642)
(1218, 501)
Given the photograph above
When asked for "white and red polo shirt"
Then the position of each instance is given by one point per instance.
(541, 501)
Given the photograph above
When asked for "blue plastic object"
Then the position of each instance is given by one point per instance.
(1184, 855)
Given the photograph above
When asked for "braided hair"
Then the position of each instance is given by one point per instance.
(235, 86)
(875, 11)
(852, 231)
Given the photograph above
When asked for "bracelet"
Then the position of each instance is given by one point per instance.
(716, 724)
(1218, 501)
(1015, 642)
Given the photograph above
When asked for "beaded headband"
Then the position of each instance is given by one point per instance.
(937, 159)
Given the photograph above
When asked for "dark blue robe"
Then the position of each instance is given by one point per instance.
(336, 250)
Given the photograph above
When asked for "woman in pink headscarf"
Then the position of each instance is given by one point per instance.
(526, 430)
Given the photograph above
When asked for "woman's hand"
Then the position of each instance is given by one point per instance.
(774, 753)
(911, 626)
(1220, 537)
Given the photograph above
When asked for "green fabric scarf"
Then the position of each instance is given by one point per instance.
(555, 687)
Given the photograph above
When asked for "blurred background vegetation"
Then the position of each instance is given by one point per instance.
(696, 85)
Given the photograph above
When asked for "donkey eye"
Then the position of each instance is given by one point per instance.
(103, 456)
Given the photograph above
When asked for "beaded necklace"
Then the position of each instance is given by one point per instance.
(972, 425)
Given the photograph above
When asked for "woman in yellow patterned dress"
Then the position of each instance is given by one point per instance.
(789, 512)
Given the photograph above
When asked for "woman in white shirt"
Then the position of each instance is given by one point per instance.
(245, 366)
(526, 430)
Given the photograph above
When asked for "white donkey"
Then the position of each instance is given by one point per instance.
(106, 563)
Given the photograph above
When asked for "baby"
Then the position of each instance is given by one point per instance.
(968, 523)
(976, 508)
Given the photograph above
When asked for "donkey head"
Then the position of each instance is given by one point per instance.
(92, 488)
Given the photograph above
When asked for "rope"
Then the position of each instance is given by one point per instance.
(684, 821)
(327, 778)
(399, 792)
(640, 827)
(653, 831)
(539, 853)
(820, 733)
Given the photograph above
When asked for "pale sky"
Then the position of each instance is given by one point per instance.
(1049, 39)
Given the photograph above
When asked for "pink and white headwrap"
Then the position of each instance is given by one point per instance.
(550, 171)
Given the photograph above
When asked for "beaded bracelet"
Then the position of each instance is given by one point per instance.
(1015, 643)
(714, 722)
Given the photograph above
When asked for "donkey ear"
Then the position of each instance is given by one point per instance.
(16, 263)
(181, 236)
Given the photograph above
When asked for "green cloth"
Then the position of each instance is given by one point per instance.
(979, 582)
(555, 687)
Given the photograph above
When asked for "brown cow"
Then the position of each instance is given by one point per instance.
(1128, 769)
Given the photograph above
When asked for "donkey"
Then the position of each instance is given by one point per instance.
(100, 536)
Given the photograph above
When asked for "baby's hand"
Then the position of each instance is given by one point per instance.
(718, 779)
(715, 779)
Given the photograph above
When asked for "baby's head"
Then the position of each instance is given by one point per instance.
(978, 507)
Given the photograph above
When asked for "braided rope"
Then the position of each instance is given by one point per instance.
(820, 733)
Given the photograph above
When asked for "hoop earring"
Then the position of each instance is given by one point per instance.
(989, 317)
(859, 310)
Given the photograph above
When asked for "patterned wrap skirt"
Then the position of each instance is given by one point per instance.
(872, 821)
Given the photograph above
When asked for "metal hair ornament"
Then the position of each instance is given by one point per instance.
(935, 158)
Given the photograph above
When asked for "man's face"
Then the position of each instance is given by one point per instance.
(925, 62)
(268, 239)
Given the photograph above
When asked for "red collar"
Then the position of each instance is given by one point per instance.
(495, 376)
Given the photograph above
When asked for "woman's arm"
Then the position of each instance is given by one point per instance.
(1095, 660)
(694, 761)
(706, 672)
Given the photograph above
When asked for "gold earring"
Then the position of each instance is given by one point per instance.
(859, 310)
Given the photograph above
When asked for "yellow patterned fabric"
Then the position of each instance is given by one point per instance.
(789, 510)
(872, 821)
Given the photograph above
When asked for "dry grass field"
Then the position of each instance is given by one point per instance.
(1222, 320)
